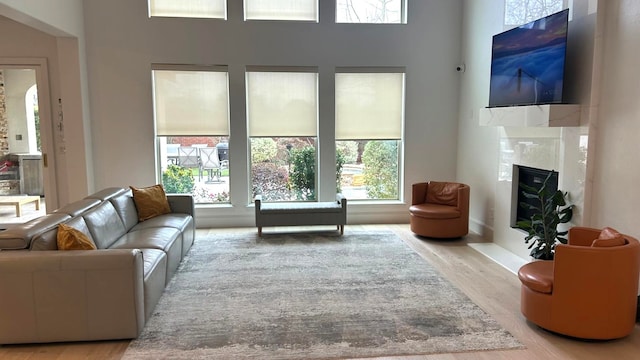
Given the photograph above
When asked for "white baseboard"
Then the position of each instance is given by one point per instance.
(500, 255)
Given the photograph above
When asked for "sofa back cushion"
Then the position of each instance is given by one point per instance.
(443, 193)
(105, 225)
(126, 208)
(70, 238)
(20, 236)
(77, 207)
(48, 239)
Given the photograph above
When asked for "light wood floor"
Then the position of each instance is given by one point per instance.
(493, 288)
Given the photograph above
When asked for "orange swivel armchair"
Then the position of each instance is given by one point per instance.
(440, 209)
(589, 290)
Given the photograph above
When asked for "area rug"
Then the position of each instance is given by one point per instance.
(311, 296)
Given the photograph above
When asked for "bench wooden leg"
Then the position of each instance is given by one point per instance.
(259, 231)
(341, 227)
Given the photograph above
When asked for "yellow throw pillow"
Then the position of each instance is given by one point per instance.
(69, 238)
(150, 201)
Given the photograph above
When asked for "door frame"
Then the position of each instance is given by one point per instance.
(46, 120)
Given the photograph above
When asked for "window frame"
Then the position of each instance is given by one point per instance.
(401, 138)
(158, 138)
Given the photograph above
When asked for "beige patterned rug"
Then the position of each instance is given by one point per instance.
(311, 296)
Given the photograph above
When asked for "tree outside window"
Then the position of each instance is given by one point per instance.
(518, 12)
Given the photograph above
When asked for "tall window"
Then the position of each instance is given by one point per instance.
(518, 12)
(216, 9)
(369, 123)
(282, 111)
(192, 131)
(371, 11)
(298, 10)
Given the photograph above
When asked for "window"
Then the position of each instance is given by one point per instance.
(518, 12)
(192, 131)
(369, 122)
(189, 8)
(371, 11)
(282, 111)
(297, 10)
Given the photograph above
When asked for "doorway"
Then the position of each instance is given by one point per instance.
(25, 120)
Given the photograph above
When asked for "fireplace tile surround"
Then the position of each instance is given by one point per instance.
(544, 146)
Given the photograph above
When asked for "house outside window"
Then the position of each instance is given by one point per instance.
(192, 131)
(369, 129)
(282, 112)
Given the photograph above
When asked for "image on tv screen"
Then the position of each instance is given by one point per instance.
(528, 62)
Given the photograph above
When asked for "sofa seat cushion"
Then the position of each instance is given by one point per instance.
(176, 221)
(161, 238)
(537, 276)
(435, 211)
(152, 258)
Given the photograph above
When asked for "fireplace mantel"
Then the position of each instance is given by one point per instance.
(553, 115)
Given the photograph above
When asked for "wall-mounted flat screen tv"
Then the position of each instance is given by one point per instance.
(528, 63)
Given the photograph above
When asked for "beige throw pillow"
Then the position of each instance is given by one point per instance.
(69, 238)
(150, 201)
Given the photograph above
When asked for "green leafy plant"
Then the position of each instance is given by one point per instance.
(302, 176)
(177, 180)
(549, 209)
(381, 169)
(340, 160)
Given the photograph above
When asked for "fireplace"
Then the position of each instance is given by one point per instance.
(533, 177)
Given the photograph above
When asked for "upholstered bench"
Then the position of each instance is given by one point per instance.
(301, 213)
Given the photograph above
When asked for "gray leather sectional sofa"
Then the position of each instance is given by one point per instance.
(50, 295)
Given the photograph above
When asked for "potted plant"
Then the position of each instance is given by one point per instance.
(549, 209)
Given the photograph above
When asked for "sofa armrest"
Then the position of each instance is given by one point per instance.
(181, 203)
(50, 296)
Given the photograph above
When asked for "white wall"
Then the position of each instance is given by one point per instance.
(122, 43)
(62, 22)
(617, 174)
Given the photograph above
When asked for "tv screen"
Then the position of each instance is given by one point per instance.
(527, 62)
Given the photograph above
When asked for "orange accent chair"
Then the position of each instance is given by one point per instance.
(440, 209)
(589, 290)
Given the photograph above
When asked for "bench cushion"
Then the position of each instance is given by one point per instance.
(301, 207)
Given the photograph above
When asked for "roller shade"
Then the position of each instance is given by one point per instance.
(191, 103)
(369, 106)
(301, 10)
(282, 104)
(189, 8)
